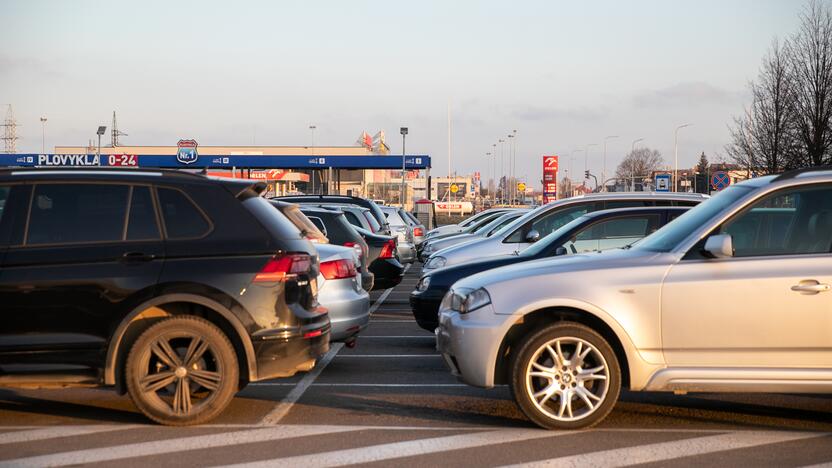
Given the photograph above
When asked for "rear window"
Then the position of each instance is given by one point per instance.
(353, 219)
(77, 213)
(272, 219)
(183, 220)
(372, 220)
(312, 230)
(393, 218)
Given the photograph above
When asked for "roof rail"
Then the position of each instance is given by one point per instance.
(796, 172)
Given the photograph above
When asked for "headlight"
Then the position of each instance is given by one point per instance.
(436, 262)
(465, 300)
(423, 284)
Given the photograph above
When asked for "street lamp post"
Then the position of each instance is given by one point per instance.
(490, 192)
(101, 130)
(312, 147)
(604, 169)
(676, 156)
(403, 131)
(514, 164)
(43, 135)
(494, 170)
(509, 183)
(502, 172)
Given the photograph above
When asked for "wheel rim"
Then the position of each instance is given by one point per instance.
(567, 379)
(180, 373)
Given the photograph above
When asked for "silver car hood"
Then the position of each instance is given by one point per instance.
(536, 269)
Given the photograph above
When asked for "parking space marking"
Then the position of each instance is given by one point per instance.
(394, 450)
(286, 404)
(671, 450)
(181, 444)
(380, 300)
(57, 432)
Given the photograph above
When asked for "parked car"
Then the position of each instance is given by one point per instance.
(357, 216)
(342, 200)
(340, 292)
(733, 296)
(485, 228)
(417, 226)
(307, 228)
(383, 258)
(596, 231)
(543, 221)
(173, 287)
(403, 232)
(452, 228)
(334, 225)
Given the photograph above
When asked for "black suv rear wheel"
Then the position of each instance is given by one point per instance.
(182, 371)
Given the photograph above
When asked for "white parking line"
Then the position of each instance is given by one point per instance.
(672, 450)
(286, 404)
(182, 444)
(410, 448)
(58, 431)
(380, 300)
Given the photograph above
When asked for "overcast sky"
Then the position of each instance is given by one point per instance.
(564, 74)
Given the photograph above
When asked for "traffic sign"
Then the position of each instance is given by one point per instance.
(454, 188)
(662, 182)
(521, 187)
(720, 180)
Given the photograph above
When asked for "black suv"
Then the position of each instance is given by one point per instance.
(173, 287)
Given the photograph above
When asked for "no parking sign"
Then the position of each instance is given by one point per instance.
(720, 180)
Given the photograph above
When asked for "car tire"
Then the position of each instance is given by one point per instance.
(577, 393)
(182, 371)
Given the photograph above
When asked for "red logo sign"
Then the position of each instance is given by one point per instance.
(550, 178)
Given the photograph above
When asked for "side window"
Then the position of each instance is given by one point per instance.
(318, 224)
(141, 223)
(790, 222)
(77, 213)
(613, 204)
(183, 220)
(4, 195)
(612, 233)
(352, 219)
(549, 222)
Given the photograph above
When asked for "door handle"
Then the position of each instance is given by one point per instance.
(811, 287)
(135, 257)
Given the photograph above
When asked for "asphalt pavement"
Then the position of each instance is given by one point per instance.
(391, 401)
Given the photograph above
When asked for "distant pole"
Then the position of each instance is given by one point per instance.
(43, 135)
(490, 192)
(494, 170)
(514, 166)
(633, 147)
(509, 183)
(449, 139)
(604, 169)
(312, 148)
(586, 160)
(402, 194)
(676, 156)
(502, 171)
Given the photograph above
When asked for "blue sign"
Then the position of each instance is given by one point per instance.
(662, 182)
(186, 151)
(720, 180)
(415, 162)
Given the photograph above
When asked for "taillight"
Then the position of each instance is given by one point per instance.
(357, 247)
(388, 249)
(283, 268)
(418, 232)
(338, 269)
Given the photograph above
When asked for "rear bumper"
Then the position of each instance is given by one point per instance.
(388, 273)
(282, 354)
(349, 309)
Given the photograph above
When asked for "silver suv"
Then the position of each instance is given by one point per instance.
(544, 220)
(733, 296)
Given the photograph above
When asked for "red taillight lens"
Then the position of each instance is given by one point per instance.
(418, 232)
(357, 247)
(388, 249)
(283, 267)
(338, 269)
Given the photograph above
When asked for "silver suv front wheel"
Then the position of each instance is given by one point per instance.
(565, 376)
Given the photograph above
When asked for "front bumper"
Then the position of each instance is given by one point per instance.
(349, 308)
(469, 344)
(407, 252)
(425, 307)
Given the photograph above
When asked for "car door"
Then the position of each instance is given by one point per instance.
(89, 252)
(766, 306)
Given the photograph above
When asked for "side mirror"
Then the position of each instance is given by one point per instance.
(720, 246)
(560, 251)
(533, 236)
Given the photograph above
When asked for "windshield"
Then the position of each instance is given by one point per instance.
(498, 223)
(475, 218)
(518, 222)
(482, 224)
(548, 241)
(668, 237)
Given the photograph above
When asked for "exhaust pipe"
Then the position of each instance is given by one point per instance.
(351, 343)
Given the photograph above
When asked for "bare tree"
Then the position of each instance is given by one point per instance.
(639, 163)
(765, 138)
(810, 54)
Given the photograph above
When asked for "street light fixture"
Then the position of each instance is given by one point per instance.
(403, 131)
(43, 135)
(502, 171)
(676, 156)
(604, 170)
(101, 130)
(633, 147)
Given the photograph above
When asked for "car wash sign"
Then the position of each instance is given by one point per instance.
(64, 160)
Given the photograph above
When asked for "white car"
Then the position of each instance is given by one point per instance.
(452, 228)
(543, 221)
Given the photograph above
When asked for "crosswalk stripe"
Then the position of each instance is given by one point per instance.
(175, 445)
(671, 450)
(33, 435)
(384, 452)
